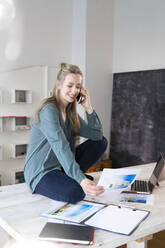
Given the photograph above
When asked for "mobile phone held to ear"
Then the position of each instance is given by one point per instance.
(79, 98)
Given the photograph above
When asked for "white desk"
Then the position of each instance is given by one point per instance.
(20, 217)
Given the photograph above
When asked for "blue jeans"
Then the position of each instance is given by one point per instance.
(58, 186)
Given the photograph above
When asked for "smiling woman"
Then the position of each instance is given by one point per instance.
(54, 166)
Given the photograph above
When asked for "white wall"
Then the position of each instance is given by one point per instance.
(79, 34)
(139, 37)
(99, 54)
(79, 40)
(35, 33)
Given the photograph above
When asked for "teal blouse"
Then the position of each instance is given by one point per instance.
(52, 145)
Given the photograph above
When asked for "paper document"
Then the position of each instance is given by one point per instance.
(112, 196)
(118, 219)
(108, 197)
(73, 212)
(114, 180)
(137, 198)
(117, 179)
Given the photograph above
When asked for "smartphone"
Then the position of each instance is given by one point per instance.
(79, 98)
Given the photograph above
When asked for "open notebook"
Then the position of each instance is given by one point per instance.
(114, 218)
(118, 219)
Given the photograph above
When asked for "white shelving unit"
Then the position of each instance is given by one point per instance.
(18, 150)
(20, 123)
(21, 92)
(21, 96)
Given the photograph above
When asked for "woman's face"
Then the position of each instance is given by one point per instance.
(70, 88)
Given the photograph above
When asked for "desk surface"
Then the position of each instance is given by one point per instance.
(20, 213)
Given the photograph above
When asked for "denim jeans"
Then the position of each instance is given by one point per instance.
(58, 186)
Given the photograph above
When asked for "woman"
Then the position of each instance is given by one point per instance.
(54, 167)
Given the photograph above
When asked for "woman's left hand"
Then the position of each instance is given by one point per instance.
(90, 188)
(86, 102)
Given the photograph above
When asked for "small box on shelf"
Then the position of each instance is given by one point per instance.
(21, 96)
(19, 177)
(18, 150)
(21, 123)
(14, 123)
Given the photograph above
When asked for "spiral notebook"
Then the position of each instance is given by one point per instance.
(118, 219)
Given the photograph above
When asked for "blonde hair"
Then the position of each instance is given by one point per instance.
(65, 69)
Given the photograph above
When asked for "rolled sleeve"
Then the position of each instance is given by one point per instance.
(92, 129)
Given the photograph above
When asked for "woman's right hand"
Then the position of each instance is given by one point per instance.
(90, 188)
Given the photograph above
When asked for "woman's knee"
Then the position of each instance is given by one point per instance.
(76, 194)
(102, 144)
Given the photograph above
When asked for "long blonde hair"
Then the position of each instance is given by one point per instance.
(65, 69)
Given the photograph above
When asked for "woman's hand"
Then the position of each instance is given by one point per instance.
(90, 188)
(86, 102)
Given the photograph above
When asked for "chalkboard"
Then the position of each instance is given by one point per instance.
(138, 117)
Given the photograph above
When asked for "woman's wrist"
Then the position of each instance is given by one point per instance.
(89, 110)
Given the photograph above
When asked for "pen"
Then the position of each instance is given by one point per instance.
(130, 192)
(124, 206)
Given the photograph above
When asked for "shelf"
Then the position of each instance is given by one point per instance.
(19, 177)
(21, 123)
(18, 150)
(15, 123)
(21, 96)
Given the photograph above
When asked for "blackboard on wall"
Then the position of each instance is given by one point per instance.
(138, 117)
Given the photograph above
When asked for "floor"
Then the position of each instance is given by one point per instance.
(158, 241)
